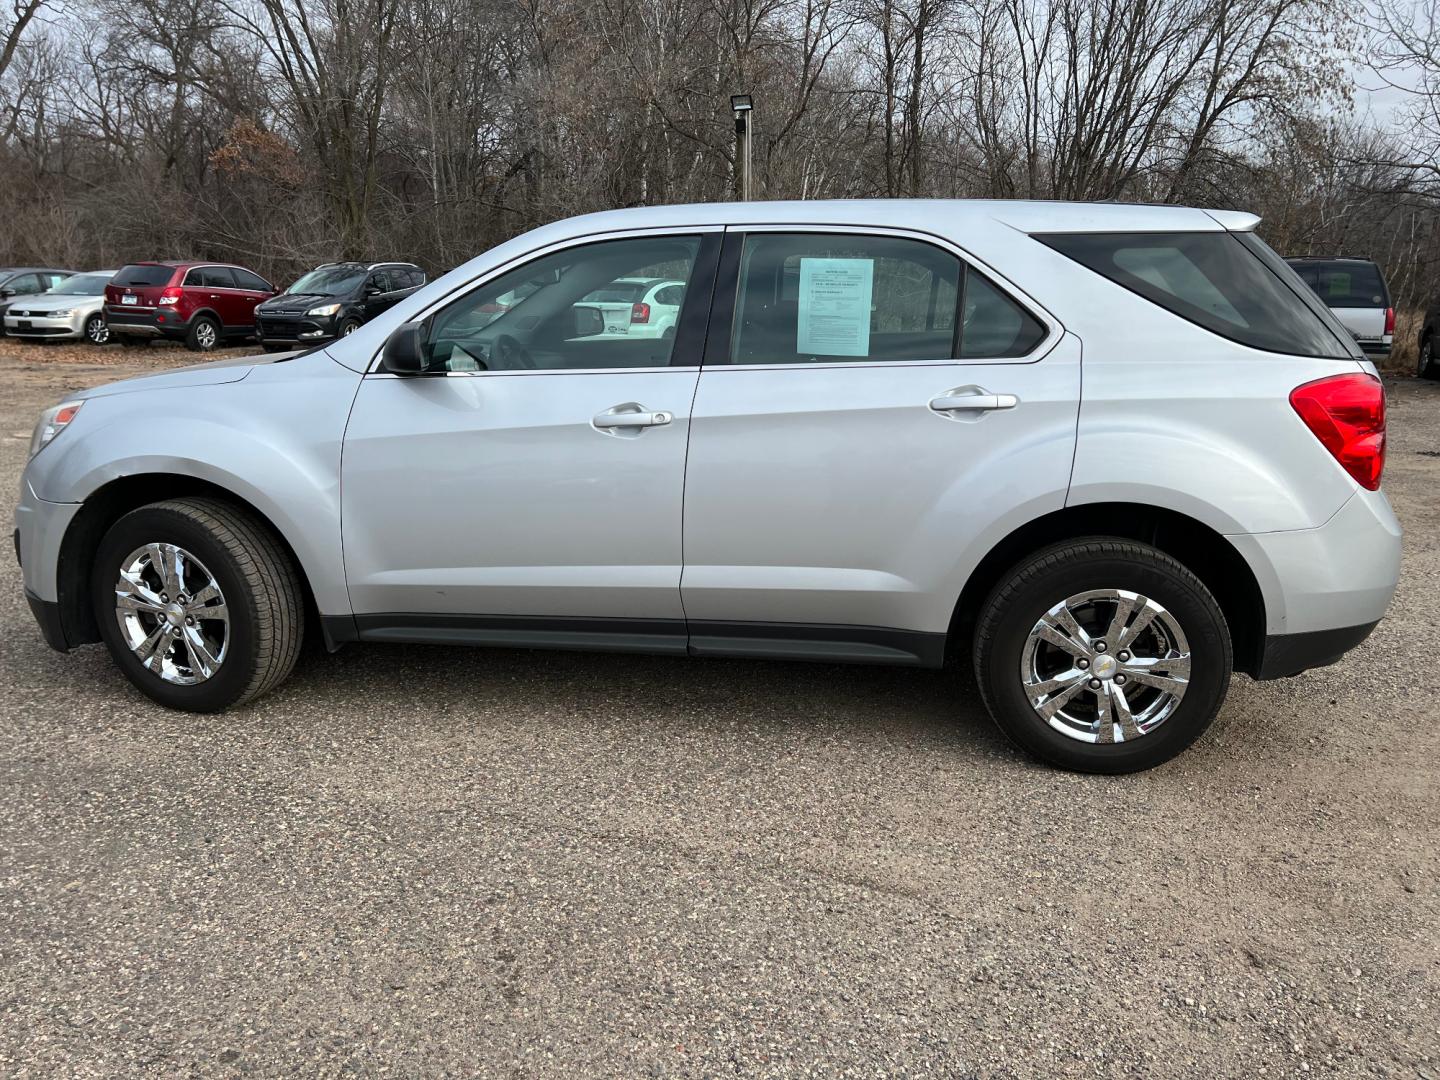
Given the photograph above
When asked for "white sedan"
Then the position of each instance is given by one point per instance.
(635, 307)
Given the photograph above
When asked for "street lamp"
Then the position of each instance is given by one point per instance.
(741, 106)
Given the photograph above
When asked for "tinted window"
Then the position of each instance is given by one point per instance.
(379, 281)
(994, 325)
(1212, 280)
(24, 283)
(670, 295)
(537, 316)
(143, 275)
(1347, 284)
(246, 280)
(414, 278)
(815, 298)
(217, 277)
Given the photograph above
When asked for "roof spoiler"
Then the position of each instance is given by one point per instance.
(1235, 220)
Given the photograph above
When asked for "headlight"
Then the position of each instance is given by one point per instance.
(64, 313)
(53, 421)
(324, 309)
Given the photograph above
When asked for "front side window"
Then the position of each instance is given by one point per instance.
(24, 284)
(246, 280)
(556, 313)
(1211, 279)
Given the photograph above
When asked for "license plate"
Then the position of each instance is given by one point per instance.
(24, 324)
(129, 299)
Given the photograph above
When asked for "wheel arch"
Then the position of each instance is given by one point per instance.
(1207, 553)
(110, 502)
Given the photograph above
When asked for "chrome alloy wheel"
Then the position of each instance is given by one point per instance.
(96, 330)
(205, 335)
(172, 614)
(1106, 666)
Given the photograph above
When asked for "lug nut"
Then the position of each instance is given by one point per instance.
(1099, 646)
(1123, 655)
(1082, 664)
(189, 621)
(1119, 678)
(1094, 684)
(164, 599)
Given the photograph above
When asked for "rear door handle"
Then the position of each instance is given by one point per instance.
(631, 415)
(957, 402)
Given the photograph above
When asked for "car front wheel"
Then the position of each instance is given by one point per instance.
(96, 330)
(1102, 655)
(198, 603)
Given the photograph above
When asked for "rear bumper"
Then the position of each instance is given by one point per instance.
(1290, 654)
(161, 322)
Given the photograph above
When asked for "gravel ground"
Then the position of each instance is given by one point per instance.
(409, 861)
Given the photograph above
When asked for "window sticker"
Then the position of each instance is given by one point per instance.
(835, 307)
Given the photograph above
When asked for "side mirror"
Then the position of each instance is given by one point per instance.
(404, 352)
(371, 290)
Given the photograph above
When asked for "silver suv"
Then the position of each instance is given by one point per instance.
(1106, 454)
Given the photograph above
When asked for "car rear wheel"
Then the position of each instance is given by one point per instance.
(1102, 655)
(96, 331)
(204, 334)
(198, 603)
(1426, 367)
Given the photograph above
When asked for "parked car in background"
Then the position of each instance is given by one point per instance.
(73, 309)
(868, 440)
(636, 307)
(1428, 343)
(202, 304)
(1355, 290)
(24, 282)
(333, 300)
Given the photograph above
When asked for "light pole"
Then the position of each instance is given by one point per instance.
(741, 106)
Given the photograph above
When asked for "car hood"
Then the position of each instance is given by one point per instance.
(218, 371)
(25, 299)
(297, 301)
(47, 302)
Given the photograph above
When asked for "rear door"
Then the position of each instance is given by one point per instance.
(255, 290)
(872, 414)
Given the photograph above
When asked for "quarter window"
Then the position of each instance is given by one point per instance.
(246, 280)
(550, 314)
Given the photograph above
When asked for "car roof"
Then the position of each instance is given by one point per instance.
(1028, 216)
(34, 270)
(1330, 259)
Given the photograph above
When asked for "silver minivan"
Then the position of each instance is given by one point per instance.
(1105, 455)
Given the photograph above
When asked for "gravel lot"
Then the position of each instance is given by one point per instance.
(413, 861)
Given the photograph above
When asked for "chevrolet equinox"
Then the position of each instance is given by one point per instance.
(1106, 454)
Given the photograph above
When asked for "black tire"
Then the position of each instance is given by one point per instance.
(203, 335)
(1426, 368)
(97, 332)
(257, 578)
(1065, 570)
(348, 327)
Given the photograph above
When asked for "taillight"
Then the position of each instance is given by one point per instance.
(1347, 414)
(1389, 320)
(170, 295)
(639, 313)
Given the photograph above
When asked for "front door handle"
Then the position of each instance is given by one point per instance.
(631, 415)
(969, 400)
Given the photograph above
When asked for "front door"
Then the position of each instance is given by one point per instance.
(527, 489)
(852, 455)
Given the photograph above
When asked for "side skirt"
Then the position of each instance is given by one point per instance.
(672, 637)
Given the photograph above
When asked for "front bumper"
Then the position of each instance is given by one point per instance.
(301, 328)
(40, 529)
(47, 614)
(43, 326)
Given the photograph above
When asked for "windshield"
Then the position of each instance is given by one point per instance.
(82, 285)
(331, 281)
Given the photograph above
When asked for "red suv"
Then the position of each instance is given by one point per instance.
(202, 304)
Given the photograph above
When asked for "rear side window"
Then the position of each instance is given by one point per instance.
(142, 275)
(246, 280)
(1345, 284)
(217, 277)
(1212, 280)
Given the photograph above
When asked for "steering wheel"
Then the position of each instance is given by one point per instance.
(510, 354)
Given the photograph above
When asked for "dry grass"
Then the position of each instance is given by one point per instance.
(157, 354)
